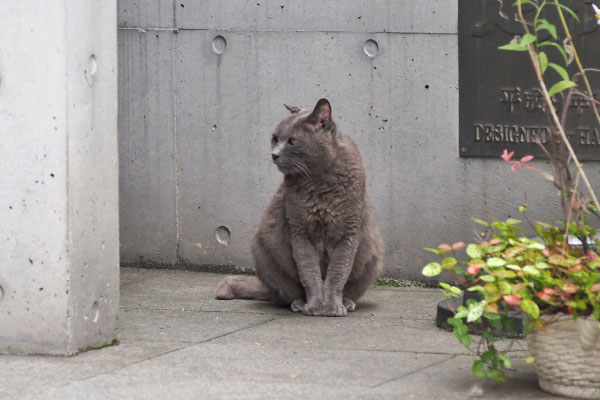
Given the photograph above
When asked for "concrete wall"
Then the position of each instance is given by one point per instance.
(59, 241)
(202, 85)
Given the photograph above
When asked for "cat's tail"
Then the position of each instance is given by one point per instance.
(242, 287)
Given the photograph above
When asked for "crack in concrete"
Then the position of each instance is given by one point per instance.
(191, 344)
(249, 30)
(412, 372)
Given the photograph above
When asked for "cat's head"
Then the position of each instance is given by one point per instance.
(304, 143)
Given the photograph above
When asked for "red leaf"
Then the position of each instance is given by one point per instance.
(494, 241)
(506, 156)
(570, 288)
(549, 290)
(515, 166)
(459, 245)
(544, 296)
(570, 309)
(526, 158)
(591, 255)
(512, 300)
(595, 288)
(546, 252)
(444, 246)
(473, 270)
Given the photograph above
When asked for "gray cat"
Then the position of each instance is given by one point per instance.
(318, 248)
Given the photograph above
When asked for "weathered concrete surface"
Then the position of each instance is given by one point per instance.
(178, 342)
(59, 247)
(317, 16)
(234, 66)
(147, 147)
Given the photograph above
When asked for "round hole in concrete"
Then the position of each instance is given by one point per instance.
(219, 44)
(95, 311)
(371, 48)
(223, 235)
(92, 65)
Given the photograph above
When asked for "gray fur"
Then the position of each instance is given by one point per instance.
(317, 248)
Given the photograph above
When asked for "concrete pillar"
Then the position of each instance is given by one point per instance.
(59, 237)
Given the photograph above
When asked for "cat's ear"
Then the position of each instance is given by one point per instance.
(293, 109)
(321, 115)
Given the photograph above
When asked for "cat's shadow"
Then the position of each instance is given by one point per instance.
(266, 307)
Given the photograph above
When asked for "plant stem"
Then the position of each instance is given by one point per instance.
(577, 60)
(548, 101)
(571, 209)
(589, 89)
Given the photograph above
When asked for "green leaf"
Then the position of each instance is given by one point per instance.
(445, 285)
(474, 251)
(556, 46)
(460, 331)
(524, 2)
(506, 362)
(477, 288)
(543, 58)
(488, 278)
(533, 245)
(489, 337)
(528, 38)
(450, 290)
(455, 291)
(567, 9)
(560, 70)
(461, 313)
(487, 356)
(481, 222)
(512, 221)
(543, 24)
(495, 375)
(435, 251)
(494, 323)
(531, 270)
(449, 262)
(557, 259)
(513, 267)
(560, 86)
(529, 360)
(541, 265)
(475, 312)
(513, 47)
(477, 263)
(529, 306)
(505, 287)
(478, 369)
(432, 269)
(495, 262)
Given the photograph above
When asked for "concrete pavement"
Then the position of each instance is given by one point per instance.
(177, 342)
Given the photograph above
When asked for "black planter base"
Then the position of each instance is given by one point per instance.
(444, 311)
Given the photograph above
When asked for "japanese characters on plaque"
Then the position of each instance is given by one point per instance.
(501, 104)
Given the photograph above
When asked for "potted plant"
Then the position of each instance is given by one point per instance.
(552, 280)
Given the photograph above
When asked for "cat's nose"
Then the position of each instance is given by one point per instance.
(275, 156)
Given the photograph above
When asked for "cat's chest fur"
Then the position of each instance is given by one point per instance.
(323, 210)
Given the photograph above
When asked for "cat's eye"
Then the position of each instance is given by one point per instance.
(274, 139)
(292, 141)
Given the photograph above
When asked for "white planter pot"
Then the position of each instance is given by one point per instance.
(567, 356)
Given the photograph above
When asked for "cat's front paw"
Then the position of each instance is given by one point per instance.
(313, 308)
(349, 304)
(298, 305)
(334, 310)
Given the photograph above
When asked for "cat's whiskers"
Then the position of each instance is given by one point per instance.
(300, 167)
(297, 168)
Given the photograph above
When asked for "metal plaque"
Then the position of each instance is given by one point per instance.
(501, 105)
